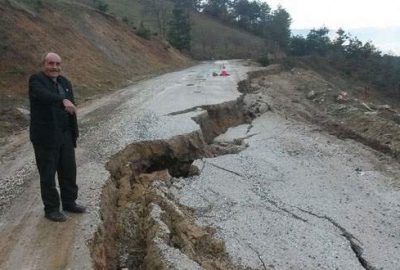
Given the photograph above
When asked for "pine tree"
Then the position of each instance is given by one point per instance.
(179, 34)
(279, 28)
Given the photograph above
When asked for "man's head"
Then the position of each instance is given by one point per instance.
(51, 64)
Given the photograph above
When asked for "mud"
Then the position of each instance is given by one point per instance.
(143, 227)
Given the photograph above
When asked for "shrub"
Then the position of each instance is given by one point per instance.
(103, 7)
(264, 60)
(143, 31)
(288, 63)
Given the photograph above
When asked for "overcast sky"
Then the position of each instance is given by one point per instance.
(347, 14)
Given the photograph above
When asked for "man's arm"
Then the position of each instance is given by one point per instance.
(37, 90)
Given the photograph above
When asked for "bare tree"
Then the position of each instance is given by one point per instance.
(160, 10)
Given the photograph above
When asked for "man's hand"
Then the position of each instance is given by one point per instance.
(69, 106)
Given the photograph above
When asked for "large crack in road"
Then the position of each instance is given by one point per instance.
(202, 178)
(133, 114)
(162, 234)
(171, 245)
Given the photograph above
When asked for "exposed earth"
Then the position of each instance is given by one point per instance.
(193, 171)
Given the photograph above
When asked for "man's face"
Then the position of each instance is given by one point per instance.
(52, 65)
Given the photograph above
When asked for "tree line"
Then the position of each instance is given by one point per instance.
(252, 16)
(361, 60)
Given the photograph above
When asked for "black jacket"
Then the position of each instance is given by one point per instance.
(44, 101)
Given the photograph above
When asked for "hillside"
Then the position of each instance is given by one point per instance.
(211, 39)
(99, 52)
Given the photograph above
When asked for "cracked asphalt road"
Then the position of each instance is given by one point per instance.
(296, 198)
(136, 113)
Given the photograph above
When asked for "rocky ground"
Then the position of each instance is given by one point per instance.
(206, 173)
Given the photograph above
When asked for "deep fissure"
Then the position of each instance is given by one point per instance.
(140, 222)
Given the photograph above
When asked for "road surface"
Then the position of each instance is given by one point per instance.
(296, 198)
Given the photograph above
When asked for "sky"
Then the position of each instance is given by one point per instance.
(348, 14)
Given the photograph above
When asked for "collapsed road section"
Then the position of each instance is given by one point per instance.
(143, 227)
(133, 114)
(291, 196)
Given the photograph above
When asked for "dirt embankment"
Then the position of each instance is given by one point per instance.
(143, 227)
(100, 53)
(352, 111)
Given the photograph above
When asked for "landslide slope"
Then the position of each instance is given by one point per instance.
(100, 53)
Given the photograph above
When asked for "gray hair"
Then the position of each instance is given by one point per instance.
(44, 56)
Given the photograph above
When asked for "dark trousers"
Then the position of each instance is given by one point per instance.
(60, 159)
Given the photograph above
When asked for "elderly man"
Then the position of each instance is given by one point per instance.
(53, 132)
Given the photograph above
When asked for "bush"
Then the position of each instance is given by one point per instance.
(143, 32)
(103, 7)
(264, 61)
(288, 63)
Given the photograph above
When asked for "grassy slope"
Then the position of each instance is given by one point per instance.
(210, 38)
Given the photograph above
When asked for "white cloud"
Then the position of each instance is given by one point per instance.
(341, 13)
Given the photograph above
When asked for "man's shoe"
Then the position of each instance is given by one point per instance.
(74, 208)
(55, 216)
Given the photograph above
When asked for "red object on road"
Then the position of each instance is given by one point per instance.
(224, 73)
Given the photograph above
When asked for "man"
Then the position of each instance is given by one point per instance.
(53, 132)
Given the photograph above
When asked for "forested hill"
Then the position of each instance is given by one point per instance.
(350, 56)
(206, 29)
